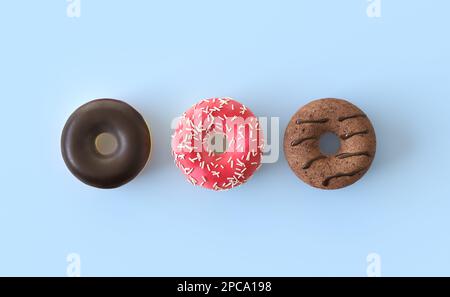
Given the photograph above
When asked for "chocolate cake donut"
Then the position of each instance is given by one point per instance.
(79, 143)
(357, 143)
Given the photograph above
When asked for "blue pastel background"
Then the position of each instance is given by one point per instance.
(274, 56)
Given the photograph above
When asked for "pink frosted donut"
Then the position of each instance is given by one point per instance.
(218, 144)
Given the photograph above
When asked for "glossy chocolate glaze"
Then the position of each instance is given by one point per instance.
(80, 152)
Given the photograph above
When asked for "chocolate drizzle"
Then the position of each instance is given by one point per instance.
(341, 119)
(326, 181)
(348, 155)
(319, 121)
(350, 135)
(310, 162)
(301, 140)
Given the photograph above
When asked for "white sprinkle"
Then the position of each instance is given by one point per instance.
(238, 174)
(224, 100)
(230, 145)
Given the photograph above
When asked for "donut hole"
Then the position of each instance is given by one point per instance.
(329, 144)
(217, 143)
(106, 144)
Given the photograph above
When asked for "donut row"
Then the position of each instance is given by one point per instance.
(218, 143)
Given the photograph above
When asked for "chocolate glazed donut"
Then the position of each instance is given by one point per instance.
(357, 143)
(81, 153)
